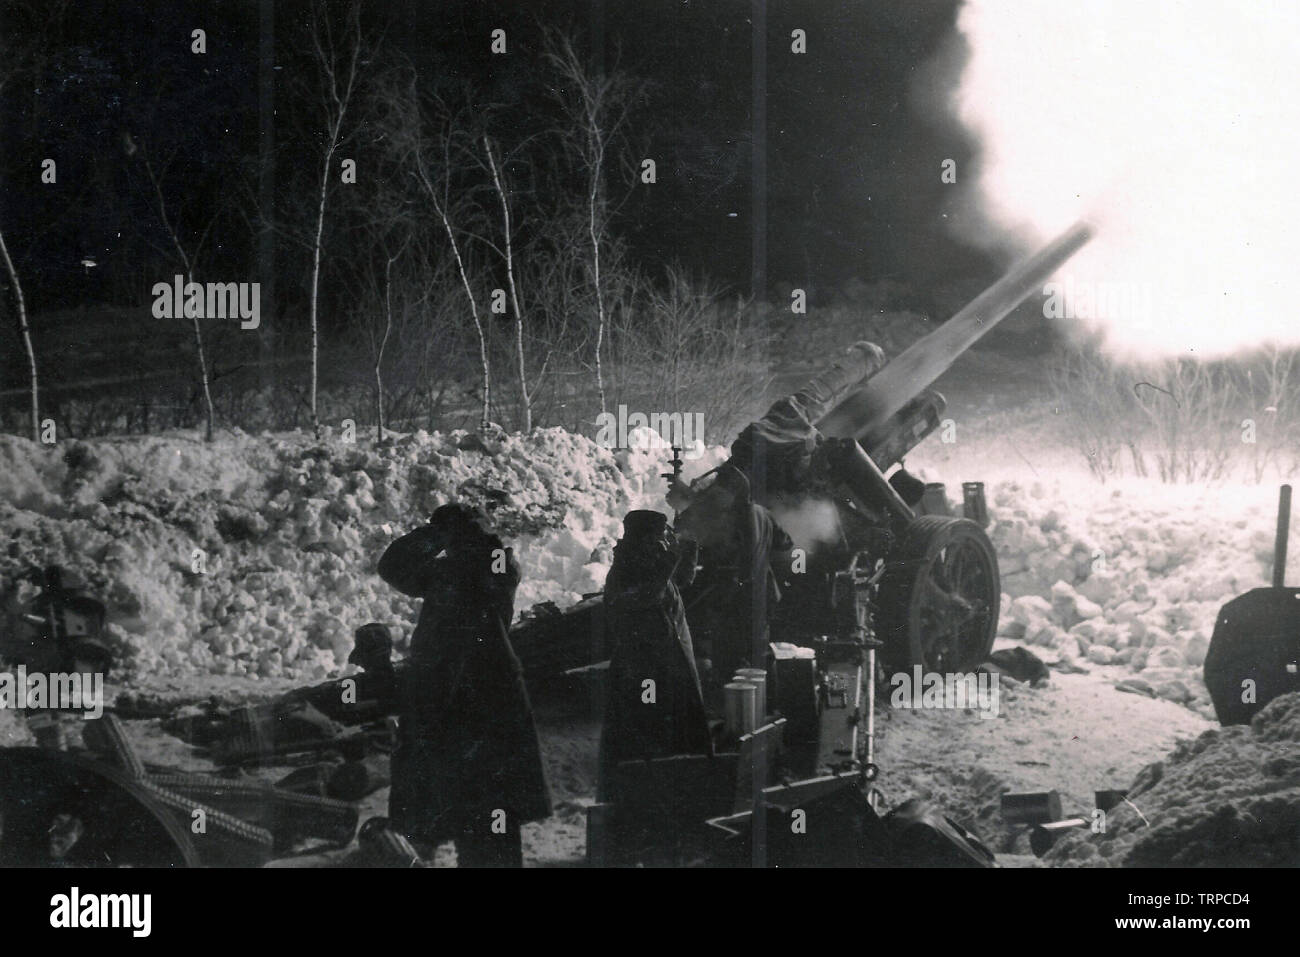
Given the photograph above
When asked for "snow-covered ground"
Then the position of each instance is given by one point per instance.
(1124, 577)
(245, 566)
(1228, 798)
(1117, 585)
(255, 556)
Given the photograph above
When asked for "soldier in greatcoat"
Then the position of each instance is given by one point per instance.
(468, 764)
(654, 707)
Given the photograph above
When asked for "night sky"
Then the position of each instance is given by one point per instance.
(852, 154)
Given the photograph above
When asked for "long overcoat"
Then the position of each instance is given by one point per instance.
(467, 741)
(649, 640)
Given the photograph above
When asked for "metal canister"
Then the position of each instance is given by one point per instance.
(973, 505)
(758, 678)
(740, 699)
(1109, 798)
(935, 500)
(1031, 807)
(49, 730)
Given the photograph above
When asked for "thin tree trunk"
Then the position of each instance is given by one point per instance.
(600, 296)
(379, 358)
(315, 286)
(189, 278)
(203, 371)
(527, 407)
(478, 325)
(26, 331)
(336, 104)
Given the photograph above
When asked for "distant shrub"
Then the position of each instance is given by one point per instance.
(1181, 419)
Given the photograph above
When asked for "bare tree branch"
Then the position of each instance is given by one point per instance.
(188, 264)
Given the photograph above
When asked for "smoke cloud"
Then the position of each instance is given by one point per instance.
(1173, 126)
(810, 523)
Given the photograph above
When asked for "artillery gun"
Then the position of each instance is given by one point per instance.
(831, 443)
(60, 629)
(834, 440)
(919, 589)
(924, 589)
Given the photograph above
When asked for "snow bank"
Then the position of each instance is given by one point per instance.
(1125, 578)
(255, 555)
(1129, 577)
(1230, 798)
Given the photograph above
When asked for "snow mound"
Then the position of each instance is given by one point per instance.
(1230, 798)
(1128, 578)
(255, 555)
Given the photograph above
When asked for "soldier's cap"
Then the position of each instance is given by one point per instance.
(371, 641)
(735, 481)
(644, 523)
(457, 517)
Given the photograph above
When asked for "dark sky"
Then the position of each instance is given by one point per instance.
(852, 157)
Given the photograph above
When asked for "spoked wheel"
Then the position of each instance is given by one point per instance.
(939, 599)
(117, 821)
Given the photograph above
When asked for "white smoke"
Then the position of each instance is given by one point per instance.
(810, 523)
(1173, 125)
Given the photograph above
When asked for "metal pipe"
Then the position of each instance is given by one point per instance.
(871, 705)
(1283, 533)
(854, 468)
(857, 712)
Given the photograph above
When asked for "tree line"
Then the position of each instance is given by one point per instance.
(421, 223)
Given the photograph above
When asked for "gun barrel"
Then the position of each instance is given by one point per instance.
(866, 409)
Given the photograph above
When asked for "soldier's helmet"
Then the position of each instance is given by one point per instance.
(457, 515)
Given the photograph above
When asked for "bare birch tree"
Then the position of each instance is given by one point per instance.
(389, 261)
(507, 253)
(337, 68)
(433, 165)
(596, 106)
(12, 63)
